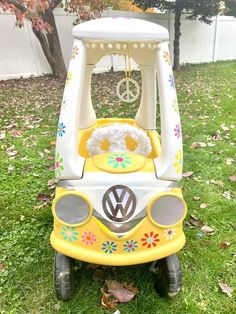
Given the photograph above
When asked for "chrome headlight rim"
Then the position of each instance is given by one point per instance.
(158, 196)
(77, 194)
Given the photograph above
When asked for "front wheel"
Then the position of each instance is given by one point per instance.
(64, 276)
(168, 276)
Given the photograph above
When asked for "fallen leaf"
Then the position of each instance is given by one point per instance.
(195, 222)
(44, 197)
(2, 134)
(224, 245)
(198, 145)
(52, 183)
(211, 144)
(232, 178)
(47, 151)
(224, 127)
(57, 307)
(16, 133)
(208, 230)
(2, 266)
(226, 289)
(53, 142)
(187, 174)
(217, 136)
(10, 168)
(217, 182)
(203, 205)
(35, 175)
(98, 274)
(117, 290)
(196, 198)
(227, 195)
(107, 301)
(40, 206)
(22, 217)
(229, 161)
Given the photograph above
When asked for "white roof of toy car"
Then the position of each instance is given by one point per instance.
(120, 29)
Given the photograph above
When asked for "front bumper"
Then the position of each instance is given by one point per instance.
(95, 243)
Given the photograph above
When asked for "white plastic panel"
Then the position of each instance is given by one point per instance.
(69, 165)
(170, 163)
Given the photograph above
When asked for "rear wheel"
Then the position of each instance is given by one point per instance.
(168, 276)
(64, 276)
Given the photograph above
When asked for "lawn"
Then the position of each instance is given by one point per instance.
(29, 111)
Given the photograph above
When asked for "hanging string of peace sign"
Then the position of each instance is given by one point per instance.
(128, 89)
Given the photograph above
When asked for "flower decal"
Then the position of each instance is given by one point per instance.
(75, 51)
(177, 130)
(170, 233)
(130, 246)
(166, 57)
(171, 80)
(69, 233)
(119, 160)
(68, 78)
(61, 129)
(109, 247)
(179, 161)
(88, 238)
(150, 239)
(58, 164)
(175, 105)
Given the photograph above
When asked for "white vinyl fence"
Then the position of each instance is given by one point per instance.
(21, 54)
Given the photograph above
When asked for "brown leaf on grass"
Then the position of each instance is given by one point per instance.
(232, 178)
(224, 245)
(108, 302)
(44, 197)
(52, 183)
(187, 174)
(130, 287)
(17, 133)
(227, 195)
(226, 289)
(41, 206)
(2, 134)
(198, 145)
(229, 161)
(217, 182)
(195, 222)
(98, 274)
(10, 168)
(207, 230)
(53, 142)
(203, 205)
(196, 198)
(117, 290)
(2, 266)
(217, 136)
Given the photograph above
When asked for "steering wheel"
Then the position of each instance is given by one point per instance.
(116, 135)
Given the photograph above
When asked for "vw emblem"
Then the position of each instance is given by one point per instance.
(119, 203)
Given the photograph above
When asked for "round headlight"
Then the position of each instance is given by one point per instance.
(167, 210)
(72, 208)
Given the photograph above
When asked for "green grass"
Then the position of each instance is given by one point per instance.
(207, 98)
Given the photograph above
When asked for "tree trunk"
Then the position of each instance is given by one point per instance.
(178, 11)
(51, 46)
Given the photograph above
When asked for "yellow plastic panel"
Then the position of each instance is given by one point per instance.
(119, 162)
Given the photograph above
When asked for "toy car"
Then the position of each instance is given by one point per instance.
(118, 200)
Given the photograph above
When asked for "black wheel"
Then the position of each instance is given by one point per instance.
(64, 276)
(168, 276)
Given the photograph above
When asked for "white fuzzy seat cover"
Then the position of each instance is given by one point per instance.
(116, 134)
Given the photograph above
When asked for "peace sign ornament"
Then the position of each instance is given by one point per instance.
(128, 90)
